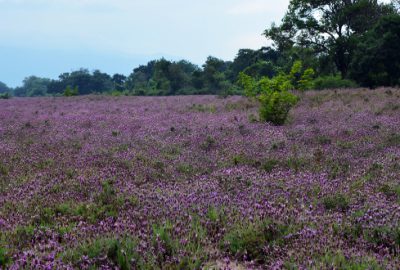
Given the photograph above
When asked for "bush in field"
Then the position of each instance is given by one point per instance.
(69, 92)
(250, 240)
(273, 93)
(336, 202)
(5, 259)
(333, 82)
(275, 106)
(5, 96)
(299, 78)
(306, 81)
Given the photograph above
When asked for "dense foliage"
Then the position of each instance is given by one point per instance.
(377, 58)
(273, 93)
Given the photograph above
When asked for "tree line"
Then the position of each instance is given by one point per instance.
(346, 43)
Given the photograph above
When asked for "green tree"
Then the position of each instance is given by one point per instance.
(214, 74)
(377, 57)
(4, 88)
(33, 87)
(119, 81)
(328, 27)
(69, 92)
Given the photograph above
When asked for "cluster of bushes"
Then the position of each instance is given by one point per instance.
(332, 82)
(5, 96)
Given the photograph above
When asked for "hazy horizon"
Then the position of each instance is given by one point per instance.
(45, 38)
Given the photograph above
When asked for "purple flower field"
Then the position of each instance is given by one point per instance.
(196, 182)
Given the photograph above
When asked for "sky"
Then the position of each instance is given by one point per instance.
(48, 37)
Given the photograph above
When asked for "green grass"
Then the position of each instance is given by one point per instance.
(337, 202)
(250, 239)
(5, 258)
(120, 250)
(339, 261)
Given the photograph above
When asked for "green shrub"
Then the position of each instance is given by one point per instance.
(185, 168)
(163, 242)
(333, 82)
(5, 96)
(269, 164)
(3, 169)
(69, 92)
(251, 239)
(336, 202)
(208, 144)
(388, 237)
(22, 236)
(5, 258)
(338, 168)
(275, 106)
(306, 81)
(273, 93)
(391, 190)
(301, 79)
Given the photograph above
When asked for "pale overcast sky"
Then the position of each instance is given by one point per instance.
(48, 37)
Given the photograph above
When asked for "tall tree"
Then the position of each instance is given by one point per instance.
(377, 58)
(119, 81)
(328, 27)
(4, 88)
(33, 87)
(213, 73)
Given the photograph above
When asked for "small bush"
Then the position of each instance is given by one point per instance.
(269, 164)
(251, 239)
(391, 190)
(22, 236)
(273, 93)
(393, 140)
(324, 140)
(336, 202)
(205, 108)
(338, 169)
(275, 106)
(185, 168)
(216, 219)
(208, 144)
(3, 169)
(383, 236)
(333, 82)
(108, 201)
(5, 258)
(69, 92)
(163, 242)
(5, 96)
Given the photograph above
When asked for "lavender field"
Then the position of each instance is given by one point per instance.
(197, 182)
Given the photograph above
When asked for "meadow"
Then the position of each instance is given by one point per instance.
(192, 182)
